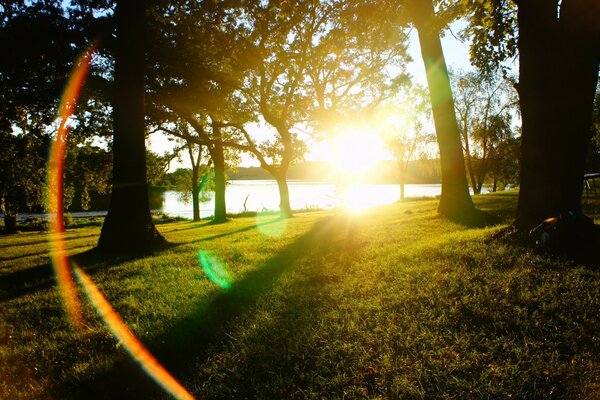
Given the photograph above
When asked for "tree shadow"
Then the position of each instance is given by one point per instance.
(45, 241)
(475, 218)
(246, 229)
(194, 338)
(26, 281)
(192, 225)
(21, 282)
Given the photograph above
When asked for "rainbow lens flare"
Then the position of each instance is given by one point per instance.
(55, 189)
(130, 343)
(64, 267)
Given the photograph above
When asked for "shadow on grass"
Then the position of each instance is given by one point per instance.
(246, 229)
(192, 225)
(193, 339)
(22, 282)
(40, 277)
(476, 218)
(45, 240)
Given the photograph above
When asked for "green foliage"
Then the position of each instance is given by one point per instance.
(593, 157)
(405, 133)
(181, 181)
(492, 32)
(485, 106)
(23, 173)
(157, 166)
(87, 177)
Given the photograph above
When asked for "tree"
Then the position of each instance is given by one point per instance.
(87, 175)
(21, 184)
(558, 45)
(38, 37)
(593, 157)
(275, 36)
(128, 226)
(555, 130)
(403, 135)
(485, 105)
(455, 201)
(356, 64)
(192, 186)
(195, 69)
(194, 182)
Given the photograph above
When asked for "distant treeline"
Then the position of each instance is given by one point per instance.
(419, 172)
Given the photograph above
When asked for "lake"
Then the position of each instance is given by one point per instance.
(263, 195)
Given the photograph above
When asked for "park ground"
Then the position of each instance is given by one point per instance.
(394, 302)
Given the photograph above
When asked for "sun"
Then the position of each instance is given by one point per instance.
(356, 153)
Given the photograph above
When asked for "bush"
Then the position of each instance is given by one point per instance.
(34, 224)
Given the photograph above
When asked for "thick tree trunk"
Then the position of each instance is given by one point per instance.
(558, 58)
(128, 225)
(455, 201)
(10, 223)
(285, 210)
(218, 157)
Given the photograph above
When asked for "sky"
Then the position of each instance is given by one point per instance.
(456, 54)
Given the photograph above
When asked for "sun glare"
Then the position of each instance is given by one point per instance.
(355, 154)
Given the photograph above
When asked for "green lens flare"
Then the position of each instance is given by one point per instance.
(214, 269)
(271, 225)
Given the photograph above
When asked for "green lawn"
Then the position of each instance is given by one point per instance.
(394, 302)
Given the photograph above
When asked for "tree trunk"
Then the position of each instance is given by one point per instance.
(218, 157)
(469, 163)
(455, 201)
(285, 210)
(402, 183)
(128, 226)
(558, 58)
(10, 223)
(196, 192)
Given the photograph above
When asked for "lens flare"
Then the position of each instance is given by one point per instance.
(214, 269)
(128, 340)
(58, 253)
(55, 189)
(270, 225)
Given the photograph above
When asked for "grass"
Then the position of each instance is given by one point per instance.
(394, 302)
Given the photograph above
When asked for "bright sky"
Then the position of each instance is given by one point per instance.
(457, 57)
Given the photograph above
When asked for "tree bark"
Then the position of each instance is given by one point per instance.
(469, 163)
(218, 157)
(10, 223)
(455, 201)
(402, 178)
(558, 58)
(196, 192)
(128, 226)
(285, 210)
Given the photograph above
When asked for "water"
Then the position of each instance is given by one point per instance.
(263, 195)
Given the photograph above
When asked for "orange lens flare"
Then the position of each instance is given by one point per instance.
(133, 346)
(55, 190)
(60, 260)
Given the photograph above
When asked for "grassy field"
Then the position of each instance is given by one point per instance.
(394, 302)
